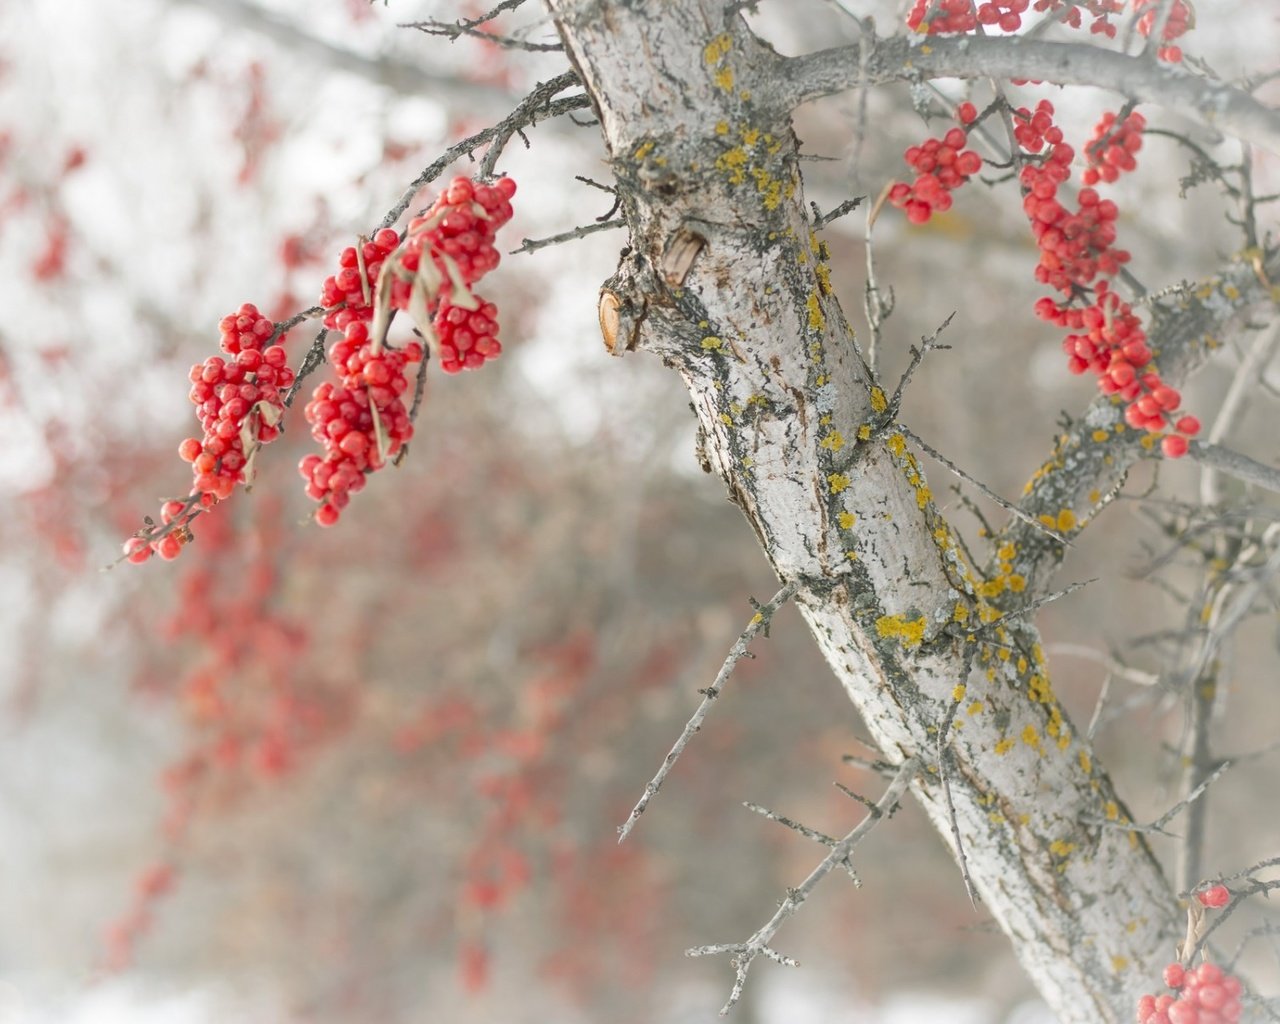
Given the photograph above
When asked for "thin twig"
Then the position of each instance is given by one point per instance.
(1008, 506)
(454, 30)
(310, 363)
(804, 830)
(927, 345)
(743, 954)
(1030, 607)
(537, 106)
(821, 220)
(943, 763)
(534, 244)
(758, 624)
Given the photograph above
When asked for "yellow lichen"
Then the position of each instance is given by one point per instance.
(864, 433)
(1004, 746)
(1100, 435)
(878, 402)
(716, 50)
(909, 631)
(1086, 762)
(1030, 736)
(958, 693)
(712, 342)
(846, 520)
(816, 320)
(1066, 521)
(838, 482)
(834, 441)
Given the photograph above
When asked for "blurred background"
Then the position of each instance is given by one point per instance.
(374, 773)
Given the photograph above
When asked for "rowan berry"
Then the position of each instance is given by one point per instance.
(1217, 895)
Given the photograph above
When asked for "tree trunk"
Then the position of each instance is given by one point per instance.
(726, 281)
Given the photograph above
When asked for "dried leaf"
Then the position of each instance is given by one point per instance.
(461, 296)
(364, 274)
(379, 433)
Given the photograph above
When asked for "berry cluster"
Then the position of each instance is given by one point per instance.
(1206, 995)
(942, 165)
(935, 17)
(347, 296)
(458, 233)
(1181, 19)
(1076, 248)
(1034, 131)
(1110, 152)
(239, 401)
(359, 421)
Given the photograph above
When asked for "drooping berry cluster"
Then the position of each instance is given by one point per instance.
(239, 402)
(942, 165)
(1180, 21)
(1206, 995)
(936, 17)
(1077, 247)
(361, 421)
(1110, 152)
(347, 296)
(458, 232)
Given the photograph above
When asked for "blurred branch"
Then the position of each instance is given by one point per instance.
(807, 832)
(1219, 107)
(1234, 464)
(454, 30)
(405, 77)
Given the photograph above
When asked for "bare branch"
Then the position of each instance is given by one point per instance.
(758, 624)
(1215, 105)
(744, 953)
(537, 106)
(804, 830)
(534, 244)
(1008, 506)
(405, 77)
(1234, 464)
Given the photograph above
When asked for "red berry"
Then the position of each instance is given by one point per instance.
(1217, 895)
(137, 550)
(1174, 446)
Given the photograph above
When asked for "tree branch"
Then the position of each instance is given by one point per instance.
(758, 624)
(745, 953)
(1217, 106)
